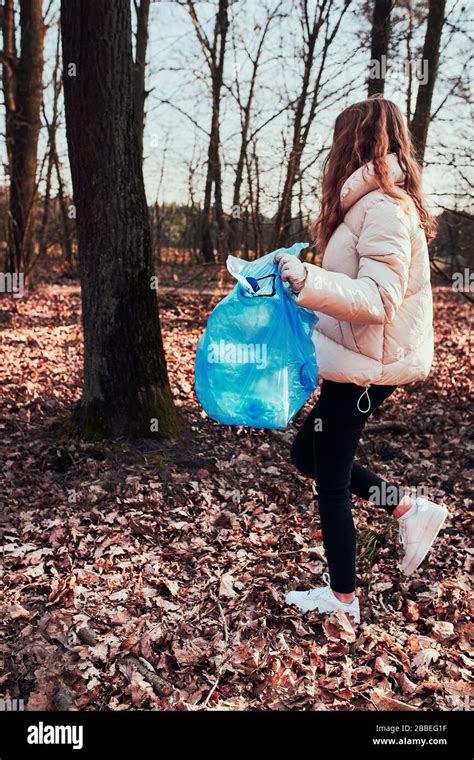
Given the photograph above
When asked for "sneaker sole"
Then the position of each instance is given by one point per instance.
(434, 526)
(289, 600)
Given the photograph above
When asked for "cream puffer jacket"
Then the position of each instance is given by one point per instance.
(373, 293)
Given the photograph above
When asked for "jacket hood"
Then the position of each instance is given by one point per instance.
(364, 181)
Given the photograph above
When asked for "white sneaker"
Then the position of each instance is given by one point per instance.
(418, 530)
(323, 600)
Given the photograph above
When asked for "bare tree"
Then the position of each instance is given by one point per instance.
(64, 235)
(142, 10)
(422, 116)
(126, 389)
(245, 110)
(23, 83)
(9, 62)
(379, 44)
(306, 104)
(214, 53)
(409, 43)
(253, 209)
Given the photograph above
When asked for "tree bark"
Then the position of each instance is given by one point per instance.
(23, 78)
(379, 44)
(126, 389)
(422, 116)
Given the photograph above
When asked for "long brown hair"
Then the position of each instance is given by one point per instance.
(369, 131)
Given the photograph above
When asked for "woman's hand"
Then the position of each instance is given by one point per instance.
(292, 271)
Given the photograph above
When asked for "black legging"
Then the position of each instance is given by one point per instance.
(326, 451)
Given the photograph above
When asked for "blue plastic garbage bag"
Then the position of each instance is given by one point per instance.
(255, 362)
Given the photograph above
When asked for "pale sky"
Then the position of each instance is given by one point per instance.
(177, 73)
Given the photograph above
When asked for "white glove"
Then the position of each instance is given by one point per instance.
(292, 271)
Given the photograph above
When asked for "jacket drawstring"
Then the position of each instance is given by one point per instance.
(366, 392)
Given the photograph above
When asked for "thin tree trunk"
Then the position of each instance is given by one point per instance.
(251, 204)
(283, 216)
(66, 227)
(53, 162)
(206, 218)
(51, 149)
(139, 93)
(239, 171)
(379, 45)
(258, 216)
(9, 62)
(422, 116)
(301, 127)
(46, 207)
(24, 128)
(246, 110)
(126, 389)
(215, 55)
(409, 57)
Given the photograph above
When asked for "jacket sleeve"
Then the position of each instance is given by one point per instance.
(376, 294)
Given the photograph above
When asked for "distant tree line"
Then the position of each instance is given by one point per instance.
(40, 216)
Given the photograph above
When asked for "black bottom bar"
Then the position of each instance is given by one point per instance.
(154, 734)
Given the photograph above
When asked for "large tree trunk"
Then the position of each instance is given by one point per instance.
(126, 389)
(422, 116)
(379, 45)
(24, 95)
(139, 93)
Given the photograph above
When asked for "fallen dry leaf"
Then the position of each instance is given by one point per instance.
(383, 702)
(226, 586)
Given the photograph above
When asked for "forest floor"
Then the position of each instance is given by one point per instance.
(148, 575)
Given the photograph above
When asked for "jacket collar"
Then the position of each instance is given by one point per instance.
(363, 181)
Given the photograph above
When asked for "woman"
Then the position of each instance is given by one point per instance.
(375, 333)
